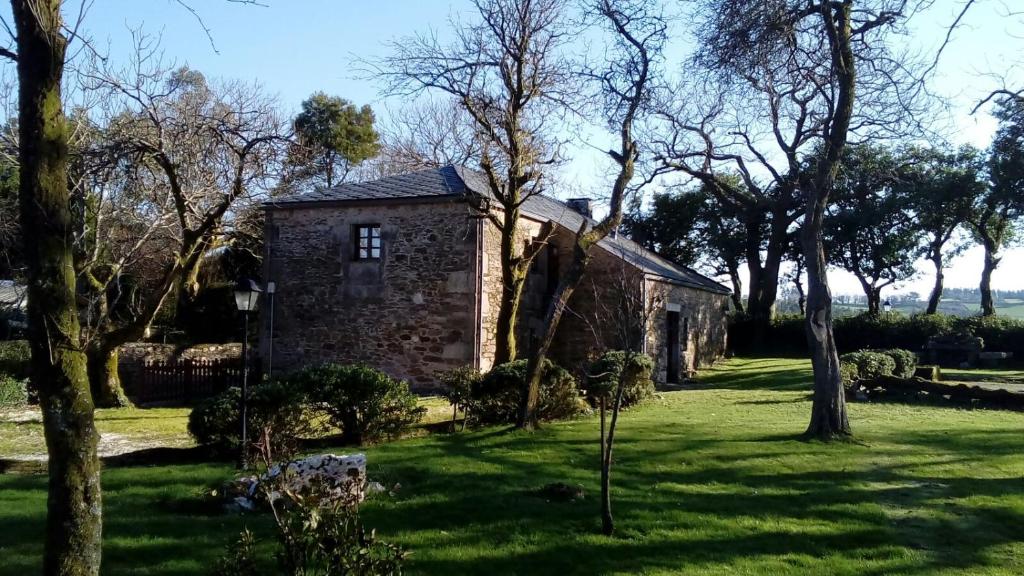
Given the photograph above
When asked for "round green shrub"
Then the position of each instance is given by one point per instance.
(905, 360)
(366, 404)
(457, 384)
(275, 409)
(868, 364)
(605, 373)
(13, 391)
(15, 358)
(496, 396)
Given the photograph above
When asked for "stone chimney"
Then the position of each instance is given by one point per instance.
(581, 205)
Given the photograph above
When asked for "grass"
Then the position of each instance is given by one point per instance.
(123, 430)
(1005, 378)
(21, 430)
(707, 481)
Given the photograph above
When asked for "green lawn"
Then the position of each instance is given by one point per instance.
(707, 481)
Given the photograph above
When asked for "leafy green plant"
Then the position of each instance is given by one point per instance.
(13, 391)
(457, 388)
(239, 557)
(15, 358)
(496, 397)
(604, 376)
(366, 404)
(318, 534)
(905, 360)
(865, 364)
(278, 416)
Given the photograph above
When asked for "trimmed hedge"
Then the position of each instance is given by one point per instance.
(496, 396)
(15, 358)
(605, 373)
(13, 391)
(274, 408)
(365, 403)
(868, 364)
(883, 331)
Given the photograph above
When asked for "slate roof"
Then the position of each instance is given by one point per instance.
(457, 181)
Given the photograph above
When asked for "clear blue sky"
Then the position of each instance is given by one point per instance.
(297, 47)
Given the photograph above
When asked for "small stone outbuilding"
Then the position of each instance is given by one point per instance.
(404, 274)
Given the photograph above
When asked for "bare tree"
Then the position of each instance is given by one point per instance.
(181, 152)
(626, 85)
(430, 134)
(507, 71)
(819, 71)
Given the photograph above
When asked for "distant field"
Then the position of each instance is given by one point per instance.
(1012, 308)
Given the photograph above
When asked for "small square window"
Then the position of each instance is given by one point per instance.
(368, 242)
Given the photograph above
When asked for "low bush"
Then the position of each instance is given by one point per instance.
(905, 360)
(13, 391)
(457, 387)
(865, 364)
(278, 418)
(366, 404)
(496, 397)
(15, 358)
(605, 373)
(317, 534)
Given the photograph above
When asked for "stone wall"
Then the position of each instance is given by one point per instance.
(132, 357)
(702, 330)
(410, 313)
(492, 287)
(593, 322)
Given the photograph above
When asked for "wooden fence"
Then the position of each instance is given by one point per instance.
(185, 381)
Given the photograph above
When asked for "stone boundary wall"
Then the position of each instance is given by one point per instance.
(132, 357)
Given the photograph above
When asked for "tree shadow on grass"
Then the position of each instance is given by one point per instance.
(729, 513)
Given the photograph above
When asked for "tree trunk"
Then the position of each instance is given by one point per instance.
(535, 366)
(737, 288)
(828, 412)
(74, 504)
(104, 380)
(512, 281)
(607, 522)
(828, 407)
(936, 295)
(801, 299)
(988, 307)
(874, 300)
(764, 278)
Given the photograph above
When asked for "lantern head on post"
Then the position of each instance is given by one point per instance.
(887, 306)
(247, 295)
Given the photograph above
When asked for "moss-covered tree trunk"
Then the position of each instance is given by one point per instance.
(513, 279)
(74, 510)
(104, 380)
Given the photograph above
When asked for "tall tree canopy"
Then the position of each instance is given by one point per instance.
(691, 228)
(996, 218)
(333, 136)
(942, 187)
(788, 81)
(870, 228)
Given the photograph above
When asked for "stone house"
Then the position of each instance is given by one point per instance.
(404, 274)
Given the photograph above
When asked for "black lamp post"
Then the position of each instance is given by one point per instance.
(247, 297)
(887, 306)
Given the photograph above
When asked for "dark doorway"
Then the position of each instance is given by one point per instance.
(672, 326)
